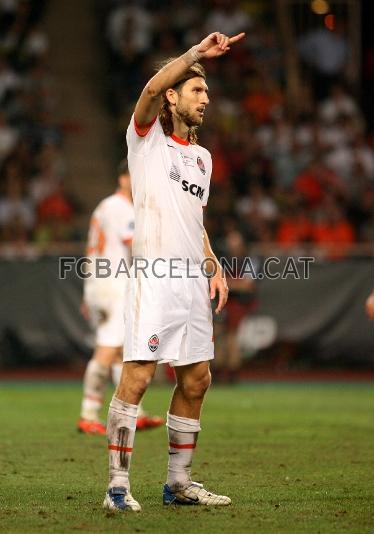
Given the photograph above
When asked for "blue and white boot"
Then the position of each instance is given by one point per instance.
(121, 500)
(193, 494)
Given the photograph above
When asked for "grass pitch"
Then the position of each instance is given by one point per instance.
(293, 458)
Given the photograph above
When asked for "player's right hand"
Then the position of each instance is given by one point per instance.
(217, 44)
(370, 306)
(84, 310)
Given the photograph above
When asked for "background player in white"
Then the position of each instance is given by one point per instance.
(110, 237)
(168, 318)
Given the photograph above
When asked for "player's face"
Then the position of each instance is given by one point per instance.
(192, 101)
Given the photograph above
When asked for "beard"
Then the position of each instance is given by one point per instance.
(185, 116)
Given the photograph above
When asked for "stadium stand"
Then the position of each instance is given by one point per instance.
(289, 178)
(33, 204)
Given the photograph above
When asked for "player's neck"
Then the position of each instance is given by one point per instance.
(124, 193)
(180, 129)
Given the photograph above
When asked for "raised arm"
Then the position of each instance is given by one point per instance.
(215, 45)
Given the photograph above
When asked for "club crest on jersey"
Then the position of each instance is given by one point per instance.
(201, 165)
(153, 343)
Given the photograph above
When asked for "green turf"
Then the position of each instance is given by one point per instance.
(293, 458)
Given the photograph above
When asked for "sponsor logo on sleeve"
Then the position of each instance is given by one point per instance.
(201, 165)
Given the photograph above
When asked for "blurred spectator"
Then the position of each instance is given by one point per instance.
(129, 25)
(295, 227)
(264, 99)
(239, 305)
(316, 181)
(35, 44)
(257, 201)
(55, 215)
(326, 54)
(337, 104)
(274, 172)
(332, 231)
(16, 211)
(32, 165)
(8, 137)
(227, 16)
(9, 80)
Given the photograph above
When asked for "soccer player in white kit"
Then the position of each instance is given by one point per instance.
(168, 315)
(109, 238)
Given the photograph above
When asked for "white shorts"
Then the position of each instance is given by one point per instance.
(168, 320)
(106, 311)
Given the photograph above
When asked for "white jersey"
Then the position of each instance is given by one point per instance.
(109, 238)
(170, 183)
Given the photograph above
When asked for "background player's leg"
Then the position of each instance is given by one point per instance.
(95, 381)
(117, 371)
(122, 416)
(184, 421)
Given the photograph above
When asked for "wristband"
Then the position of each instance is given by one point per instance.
(192, 55)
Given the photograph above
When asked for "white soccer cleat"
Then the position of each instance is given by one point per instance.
(194, 494)
(119, 499)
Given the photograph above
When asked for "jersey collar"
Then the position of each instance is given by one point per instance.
(179, 140)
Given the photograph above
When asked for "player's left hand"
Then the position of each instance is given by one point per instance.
(218, 284)
(217, 44)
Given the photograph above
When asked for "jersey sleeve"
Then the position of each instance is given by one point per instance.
(143, 139)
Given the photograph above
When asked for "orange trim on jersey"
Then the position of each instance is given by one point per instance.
(182, 446)
(143, 130)
(96, 238)
(179, 140)
(119, 449)
(100, 241)
(127, 242)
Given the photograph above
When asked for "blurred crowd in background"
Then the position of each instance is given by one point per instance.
(33, 203)
(282, 174)
(304, 175)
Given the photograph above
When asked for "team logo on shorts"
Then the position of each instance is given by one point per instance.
(153, 343)
(201, 165)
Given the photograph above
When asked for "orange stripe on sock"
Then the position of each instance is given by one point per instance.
(94, 398)
(182, 446)
(120, 449)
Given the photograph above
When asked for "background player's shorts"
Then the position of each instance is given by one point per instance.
(106, 311)
(168, 320)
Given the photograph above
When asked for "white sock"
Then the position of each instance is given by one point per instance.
(141, 411)
(121, 428)
(183, 433)
(116, 373)
(95, 380)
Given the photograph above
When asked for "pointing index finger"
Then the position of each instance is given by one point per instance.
(236, 38)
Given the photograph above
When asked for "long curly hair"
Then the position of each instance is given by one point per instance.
(165, 114)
